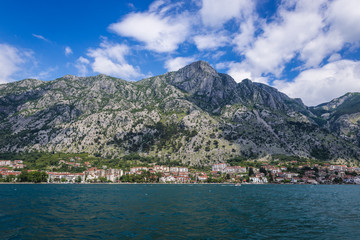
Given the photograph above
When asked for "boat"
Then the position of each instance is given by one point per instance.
(238, 185)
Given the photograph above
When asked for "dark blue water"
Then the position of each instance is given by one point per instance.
(179, 212)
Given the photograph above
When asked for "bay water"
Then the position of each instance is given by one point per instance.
(189, 211)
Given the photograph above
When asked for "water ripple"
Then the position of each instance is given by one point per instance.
(179, 212)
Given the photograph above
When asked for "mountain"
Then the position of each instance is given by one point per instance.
(194, 115)
(342, 116)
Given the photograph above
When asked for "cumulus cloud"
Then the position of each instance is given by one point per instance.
(82, 66)
(157, 30)
(344, 17)
(211, 41)
(307, 30)
(215, 13)
(239, 71)
(243, 40)
(110, 59)
(68, 51)
(334, 57)
(318, 85)
(284, 37)
(175, 64)
(11, 60)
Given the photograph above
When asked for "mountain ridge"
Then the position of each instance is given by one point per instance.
(194, 115)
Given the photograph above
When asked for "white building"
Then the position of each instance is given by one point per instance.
(258, 179)
(65, 176)
(167, 179)
(219, 167)
(174, 169)
(183, 170)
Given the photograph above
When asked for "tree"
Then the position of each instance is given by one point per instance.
(271, 179)
(24, 176)
(102, 179)
(251, 171)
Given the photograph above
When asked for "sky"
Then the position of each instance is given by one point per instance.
(308, 49)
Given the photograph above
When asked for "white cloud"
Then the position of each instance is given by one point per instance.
(344, 17)
(211, 41)
(239, 74)
(284, 37)
(308, 30)
(159, 32)
(45, 74)
(315, 86)
(239, 71)
(68, 51)
(82, 66)
(217, 55)
(334, 57)
(110, 59)
(246, 35)
(11, 60)
(41, 37)
(314, 52)
(175, 64)
(214, 13)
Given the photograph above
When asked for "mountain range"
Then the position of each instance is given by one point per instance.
(194, 115)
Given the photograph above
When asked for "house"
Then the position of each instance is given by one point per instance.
(19, 165)
(279, 179)
(255, 179)
(295, 179)
(167, 179)
(338, 167)
(258, 179)
(182, 179)
(240, 169)
(174, 169)
(158, 168)
(184, 174)
(183, 170)
(6, 163)
(113, 174)
(65, 176)
(219, 167)
(136, 169)
(291, 175)
(234, 169)
(202, 177)
(10, 173)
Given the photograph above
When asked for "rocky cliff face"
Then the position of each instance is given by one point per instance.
(342, 116)
(194, 115)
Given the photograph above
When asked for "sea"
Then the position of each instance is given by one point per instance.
(179, 211)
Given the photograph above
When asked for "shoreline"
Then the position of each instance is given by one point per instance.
(43, 183)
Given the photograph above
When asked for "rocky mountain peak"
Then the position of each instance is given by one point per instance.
(246, 81)
(70, 77)
(205, 85)
(200, 66)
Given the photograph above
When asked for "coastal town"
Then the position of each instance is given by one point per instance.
(291, 172)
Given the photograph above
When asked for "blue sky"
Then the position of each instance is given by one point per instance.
(305, 48)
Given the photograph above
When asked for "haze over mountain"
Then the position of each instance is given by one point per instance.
(194, 115)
